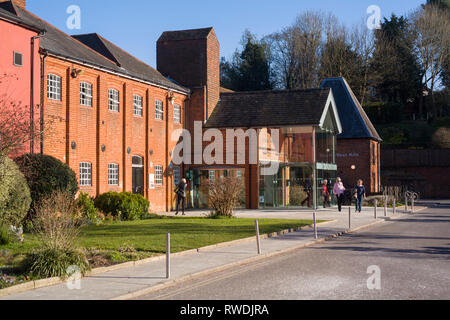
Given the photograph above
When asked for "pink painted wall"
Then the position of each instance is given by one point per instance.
(15, 82)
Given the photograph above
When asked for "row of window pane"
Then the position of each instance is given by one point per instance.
(54, 93)
(113, 174)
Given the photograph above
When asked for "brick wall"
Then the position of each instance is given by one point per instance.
(90, 128)
(425, 170)
(364, 154)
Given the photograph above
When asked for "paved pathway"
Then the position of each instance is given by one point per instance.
(126, 282)
(410, 255)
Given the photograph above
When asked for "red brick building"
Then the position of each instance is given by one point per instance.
(19, 70)
(111, 115)
(358, 146)
(116, 121)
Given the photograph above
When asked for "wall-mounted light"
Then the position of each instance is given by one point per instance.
(74, 145)
(129, 150)
(76, 72)
(171, 97)
(353, 167)
(103, 148)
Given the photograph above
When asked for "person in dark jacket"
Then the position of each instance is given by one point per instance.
(308, 190)
(181, 195)
(360, 194)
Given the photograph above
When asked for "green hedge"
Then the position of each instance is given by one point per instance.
(15, 196)
(123, 206)
(46, 174)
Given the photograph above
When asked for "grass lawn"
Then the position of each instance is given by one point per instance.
(118, 242)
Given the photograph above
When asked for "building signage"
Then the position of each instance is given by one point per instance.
(347, 155)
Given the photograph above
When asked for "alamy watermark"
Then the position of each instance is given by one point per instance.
(74, 278)
(374, 20)
(230, 149)
(374, 281)
(74, 20)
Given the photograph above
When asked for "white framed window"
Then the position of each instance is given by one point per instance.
(113, 174)
(113, 101)
(53, 87)
(177, 113)
(176, 175)
(85, 174)
(159, 110)
(158, 175)
(86, 94)
(137, 105)
(18, 59)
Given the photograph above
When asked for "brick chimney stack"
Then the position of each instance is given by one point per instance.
(19, 3)
(192, 58)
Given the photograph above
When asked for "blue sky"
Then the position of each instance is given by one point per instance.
(135, 25)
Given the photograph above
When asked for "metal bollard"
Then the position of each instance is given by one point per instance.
(406, 203)
(375, 208)
(258, 239)
(349, 218)
(168, 256)
(385, 207)
(394, 206)
(412, 204)
(315, 224)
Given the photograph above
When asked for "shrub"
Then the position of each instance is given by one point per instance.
(46, 174)
(6, 236)
(123, 206)
(224, 196)
(15, 197)
(57, 222)
(296, 195)
(88, 210)
(51, 262)
(441, 138)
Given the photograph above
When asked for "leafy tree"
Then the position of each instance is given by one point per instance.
(249, 69)
(396, 73)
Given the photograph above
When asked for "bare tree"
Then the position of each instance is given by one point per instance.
(363, 43)
(17, 128)
(296, 51)
(432, 44)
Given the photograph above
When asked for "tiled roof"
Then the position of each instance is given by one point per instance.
(126, 61)
(193, 34)
(269, 108)
(60, 44)
(354, 120)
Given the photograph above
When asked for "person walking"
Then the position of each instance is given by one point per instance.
(326, 194)
(360, 194)
(338, 191)
(308, 190)
(180, 191)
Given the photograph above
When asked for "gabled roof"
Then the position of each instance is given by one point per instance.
(8, 12)
(271, 108)
(192, 34)
(125, 61)
(58, 43)
(355, 122)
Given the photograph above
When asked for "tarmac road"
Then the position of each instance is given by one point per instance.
(411, 256)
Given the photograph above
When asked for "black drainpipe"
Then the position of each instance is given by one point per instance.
(32, 92)
(43, 56)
